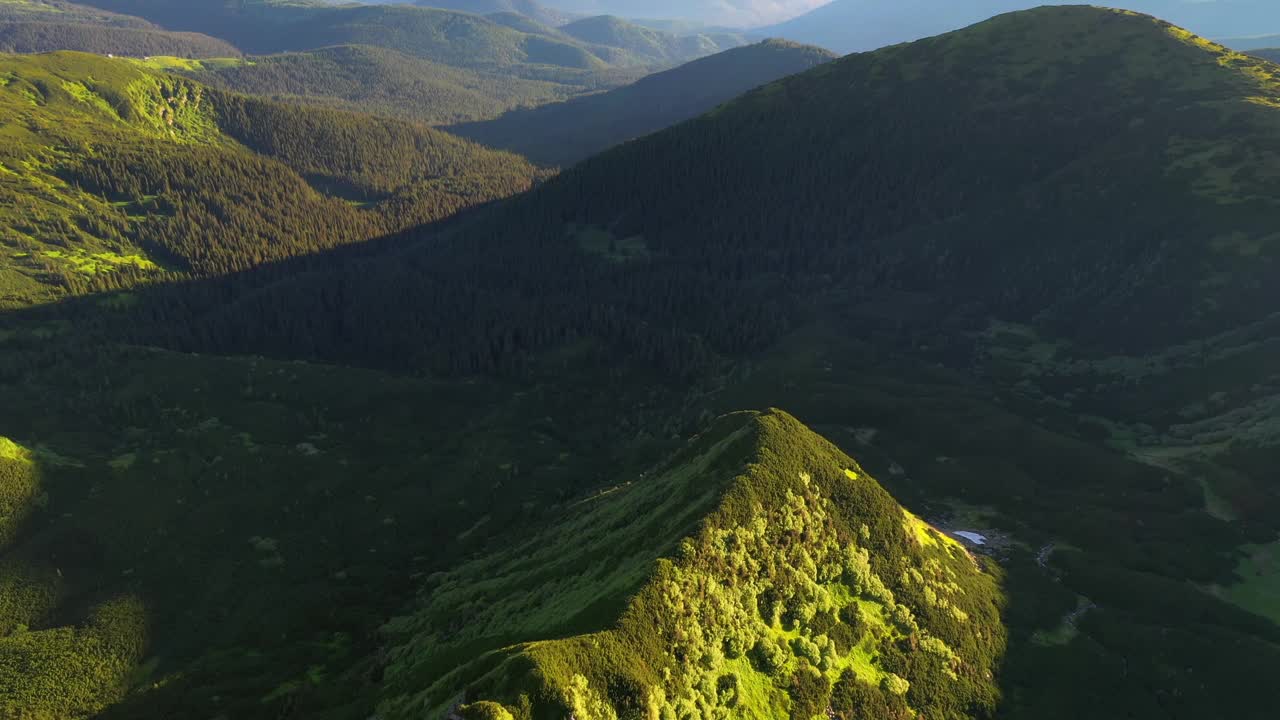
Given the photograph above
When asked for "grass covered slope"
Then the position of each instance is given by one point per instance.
(760, 573)
(111, 173)
(564, 133)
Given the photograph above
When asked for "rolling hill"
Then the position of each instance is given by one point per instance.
(115, 173)
(730, 13)
(32, 26)
(1021, 272)
(461, 39)
(527, 8)
(642, 42)
(859, 25)
(824, 139)
(771, 577)
(370, 79)
(564, 133)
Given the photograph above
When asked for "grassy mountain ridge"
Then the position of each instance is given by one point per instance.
(111, 167)
(564, 133)
(790, 568)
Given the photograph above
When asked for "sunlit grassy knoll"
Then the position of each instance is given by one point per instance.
(93, 263)
(20, 490)
(1259, 588)
(9, 450)
(656, 614)
(169, 63)
(73, 671)
(243, 499)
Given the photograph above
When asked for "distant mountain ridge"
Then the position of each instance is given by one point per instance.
(564, 133)
(385, 82)
(462, 39)
(860, 25)
(30, 26)
(731, 13)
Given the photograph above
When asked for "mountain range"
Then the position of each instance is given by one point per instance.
(566, 132)
(860, 25)
(935, 381)
(731, 13)
(48, 25)
(462, 39)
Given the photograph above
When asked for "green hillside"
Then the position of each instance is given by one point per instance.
(1022, 273)
(534, 11)
(461, 39)
(976, 212)
(34, 26)
(58, 11)
(39, 37)
(564, 133)
(771, 577)
(386, 82)
(114, 174)
(646, 44)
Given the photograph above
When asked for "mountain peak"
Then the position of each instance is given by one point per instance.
(759, 569)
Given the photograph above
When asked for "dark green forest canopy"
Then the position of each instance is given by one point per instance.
(964, 189)
(114, 173)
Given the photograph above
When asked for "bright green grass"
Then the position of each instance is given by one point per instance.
(9, 450)
(168, 63)
(746, 486)
(93, 263)
(1259, 588)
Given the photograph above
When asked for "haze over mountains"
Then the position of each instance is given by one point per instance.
(937, 381)
(564, 133)
(860, 25)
